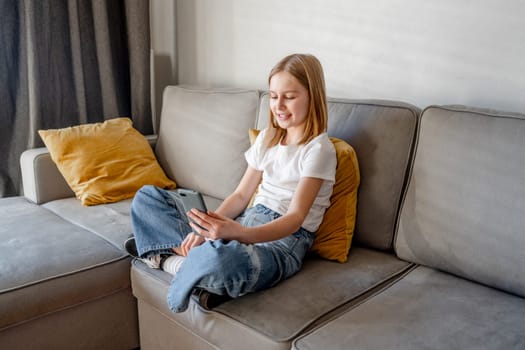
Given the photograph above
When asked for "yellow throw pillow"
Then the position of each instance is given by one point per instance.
(252, 134)
(334, 237)
(104, 162)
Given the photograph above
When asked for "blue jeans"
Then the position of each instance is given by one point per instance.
(221, 267)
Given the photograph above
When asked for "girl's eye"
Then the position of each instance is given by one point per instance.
(275, 97)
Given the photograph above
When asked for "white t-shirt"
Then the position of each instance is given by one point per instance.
(284, 165)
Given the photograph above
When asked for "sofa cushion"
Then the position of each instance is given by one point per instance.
(109, 221)
(463, 211)
(382, 133)
(49, 264)
(426, 309)
(334, 236)
(104, 162)
(280, 313)
(212, 124)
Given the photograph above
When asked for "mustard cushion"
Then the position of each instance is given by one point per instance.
(104, 162)
(334, 236)
(252, 134)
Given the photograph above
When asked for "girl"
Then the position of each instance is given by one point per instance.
(237, 250)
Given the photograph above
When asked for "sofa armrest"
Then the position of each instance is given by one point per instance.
(41, 179)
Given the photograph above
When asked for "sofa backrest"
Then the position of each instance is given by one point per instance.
(203, 135)
(206, 131)
(464, 210)
(383, 135)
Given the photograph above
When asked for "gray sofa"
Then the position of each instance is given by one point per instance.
(437, 261)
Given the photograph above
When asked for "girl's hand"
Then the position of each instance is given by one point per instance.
(215, 226)
(192, 240)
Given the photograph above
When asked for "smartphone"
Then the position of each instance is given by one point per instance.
(186, 200)
(190, 199)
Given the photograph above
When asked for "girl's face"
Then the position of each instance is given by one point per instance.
(289, 104)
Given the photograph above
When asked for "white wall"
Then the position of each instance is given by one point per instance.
(163, 51)
(419, 51)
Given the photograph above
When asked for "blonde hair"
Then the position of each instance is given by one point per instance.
(308, 71)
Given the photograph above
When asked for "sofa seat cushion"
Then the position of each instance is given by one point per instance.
(110, 221)
(49, 264)
(277, 314)
(426, 309)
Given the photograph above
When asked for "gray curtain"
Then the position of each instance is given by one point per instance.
(66, 62)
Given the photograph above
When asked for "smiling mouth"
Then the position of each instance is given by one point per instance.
(282, 116)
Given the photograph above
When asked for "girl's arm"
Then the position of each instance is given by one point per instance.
(231, 207)
(222, 226)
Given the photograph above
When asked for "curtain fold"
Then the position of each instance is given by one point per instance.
(67, 62)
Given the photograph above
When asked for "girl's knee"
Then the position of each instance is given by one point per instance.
(222, 256)
(143, 197)
(148, 190)
(207, 252)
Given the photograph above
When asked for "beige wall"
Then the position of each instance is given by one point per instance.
(422, 52)
(163, 51)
